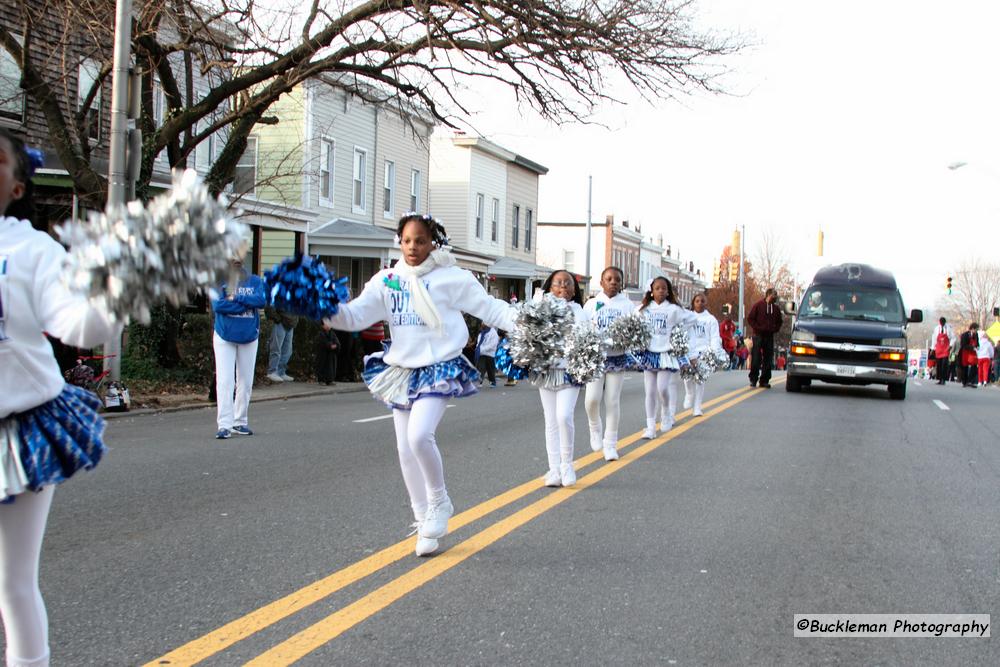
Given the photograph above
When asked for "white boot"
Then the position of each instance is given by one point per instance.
(650, 432)
(567, 474)
(596, 437)
(553, 477)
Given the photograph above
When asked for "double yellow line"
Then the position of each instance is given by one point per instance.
(311, 638)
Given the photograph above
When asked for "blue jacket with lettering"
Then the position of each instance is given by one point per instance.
(237, 320)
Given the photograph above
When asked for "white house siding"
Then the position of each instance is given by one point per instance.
(487, 176)
(522, 190)
(649, 263)
(449, 188)
(407, 145)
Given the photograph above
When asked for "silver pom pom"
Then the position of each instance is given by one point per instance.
(539, 338)
(630, 332)
(679, 342)
(585, 353)
(134, 256)
(702, 368)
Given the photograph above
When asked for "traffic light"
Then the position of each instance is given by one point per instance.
(717, 273)
(734, 245)
(734, 271)
(947, 284)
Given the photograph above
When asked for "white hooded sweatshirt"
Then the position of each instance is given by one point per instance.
(602, 310)
(663, 317)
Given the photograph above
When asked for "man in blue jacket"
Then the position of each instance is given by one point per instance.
(237, 328)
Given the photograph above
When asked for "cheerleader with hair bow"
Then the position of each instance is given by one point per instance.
(422, 297)
(660, 365)
(705, 339)
(48, 429)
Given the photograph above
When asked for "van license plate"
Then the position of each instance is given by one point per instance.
(845, 371)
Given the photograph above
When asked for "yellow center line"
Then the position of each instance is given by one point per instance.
(239, 629)
(331, 627)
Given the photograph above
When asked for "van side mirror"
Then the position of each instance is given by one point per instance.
(916, 316)
(790, 307)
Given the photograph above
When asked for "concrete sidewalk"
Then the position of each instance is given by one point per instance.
(266, 391)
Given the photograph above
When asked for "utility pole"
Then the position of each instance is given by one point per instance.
(743, 230)
(590, 200)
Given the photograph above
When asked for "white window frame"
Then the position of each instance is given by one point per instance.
(569, 260)
(10, 90)
(327, 170)
(204, 152)
(359, 184)
(480, 212)
(414, 190)
(256, 156)
(389, 190)
(529, 215)
(495, 222)
(87, 72)
(515, 225)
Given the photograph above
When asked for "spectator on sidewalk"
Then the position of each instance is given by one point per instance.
(943, 340)
(486, 349)
(968, 355)
(985, 358)
(280, 345)
(765, 320)
(327, 345)
(741, 354)
(237, 330)
(727, 331)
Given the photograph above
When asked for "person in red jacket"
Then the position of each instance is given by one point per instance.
(727, 331)
(765, 320)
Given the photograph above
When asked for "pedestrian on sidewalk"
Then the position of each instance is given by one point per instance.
(765, 320)
(558, 392)
(237, 330)
(486, 349)
(327, 345)
(944, 340)
(603, 309)
(968, 355)
(660, 365)
(741, 353)
(280, 345)
(422, 297)
(727, 330)
(703, 333)
(48, 429)
(985, 358)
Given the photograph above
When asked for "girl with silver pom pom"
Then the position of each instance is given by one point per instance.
(48, 429)
(705, 342)
(422, 297)
(659, 362)
(603, 309)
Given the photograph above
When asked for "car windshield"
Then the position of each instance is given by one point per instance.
(874, 305)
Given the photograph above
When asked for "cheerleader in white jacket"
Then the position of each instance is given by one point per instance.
(48, 429)
(660, 365)
(603, 309)
(704, 338)
(423, 298)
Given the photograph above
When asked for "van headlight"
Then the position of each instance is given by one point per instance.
(893, 342)
(804, 336)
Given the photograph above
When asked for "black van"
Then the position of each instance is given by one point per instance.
(851, 329)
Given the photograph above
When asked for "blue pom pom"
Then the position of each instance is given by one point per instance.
(301, 285)
(505, 363)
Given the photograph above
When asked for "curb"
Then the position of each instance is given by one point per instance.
(347, 388)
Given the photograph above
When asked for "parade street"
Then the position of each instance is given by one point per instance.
(698, 547)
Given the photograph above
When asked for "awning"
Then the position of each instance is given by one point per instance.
(347, 238)
(508, 267)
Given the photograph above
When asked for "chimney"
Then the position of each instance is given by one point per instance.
(659, 240)
(609, 219)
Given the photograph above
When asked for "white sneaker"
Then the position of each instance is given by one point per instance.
(610, 453)
(274, 377)
(696, 412)
(287, 378)
(650, 431)
(567, 474)
(687, 401)
(425, 546)
(596, 441)
(666, 426)
(435, 524)
(553, 477)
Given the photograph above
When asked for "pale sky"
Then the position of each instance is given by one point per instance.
(844, 116)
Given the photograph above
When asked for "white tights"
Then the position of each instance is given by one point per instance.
(608, 388)
(26, 625)
(558, 406)
(696, 390)
(419, 458)
(661, 391)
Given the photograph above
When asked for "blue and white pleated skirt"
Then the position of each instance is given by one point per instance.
(554, 379)
(622, 362)
(660, 361)
(453, 378)
(51, 442)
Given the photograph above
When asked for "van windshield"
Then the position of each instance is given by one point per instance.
(875, 305)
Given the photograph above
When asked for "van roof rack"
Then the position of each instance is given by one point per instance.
(855, 274)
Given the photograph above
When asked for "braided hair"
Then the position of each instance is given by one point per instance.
(436, 230)
(27, 161)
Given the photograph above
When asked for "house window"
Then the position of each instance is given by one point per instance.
(245, 178)
(87, 77)
(528, 215)
(326, 154)
(515, 226)
(569, 260)
(480, 205)
(495, 224)
(11, 95)
(415, 190)
(360, 177)
(388, 188)
(204, 151)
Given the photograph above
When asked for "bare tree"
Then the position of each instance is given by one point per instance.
(976, 290)
(771, 261)
(222, 64)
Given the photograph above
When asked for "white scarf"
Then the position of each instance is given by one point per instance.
(422, 303)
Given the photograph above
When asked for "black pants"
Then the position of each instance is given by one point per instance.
(488, 366)
(941, 366)
(326, 364)
(970, 376)
(761, 358)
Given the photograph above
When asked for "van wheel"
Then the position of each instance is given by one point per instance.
(793, 384)
(897, 392)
